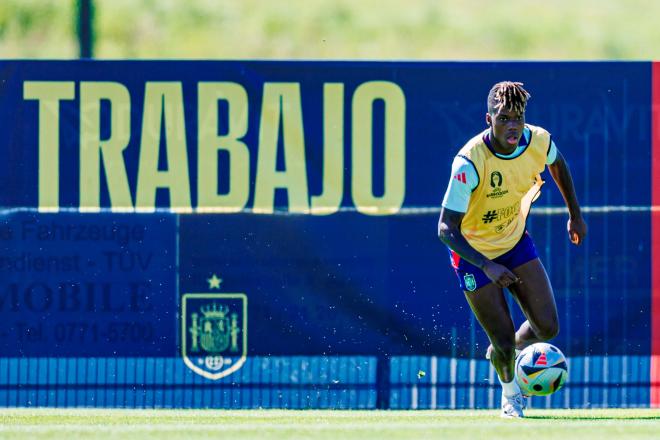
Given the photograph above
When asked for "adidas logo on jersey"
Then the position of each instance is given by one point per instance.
(460, 177)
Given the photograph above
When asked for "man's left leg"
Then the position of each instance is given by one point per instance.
(537, 301)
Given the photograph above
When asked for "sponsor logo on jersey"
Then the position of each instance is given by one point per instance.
(461, 177)
(506, 214)
(489, 216)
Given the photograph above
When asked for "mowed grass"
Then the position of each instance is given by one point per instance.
(318, 425)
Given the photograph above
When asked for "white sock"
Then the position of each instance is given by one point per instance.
(510, 388)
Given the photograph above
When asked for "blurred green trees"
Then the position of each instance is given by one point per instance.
(337, 29)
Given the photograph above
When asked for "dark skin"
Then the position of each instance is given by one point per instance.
(528, 282)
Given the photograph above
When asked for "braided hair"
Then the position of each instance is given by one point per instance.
(509, 95)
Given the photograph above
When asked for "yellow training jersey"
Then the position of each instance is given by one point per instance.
(498, 208)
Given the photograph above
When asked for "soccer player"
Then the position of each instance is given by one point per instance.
(495, 179)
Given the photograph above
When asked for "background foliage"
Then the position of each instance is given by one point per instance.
(337, 29)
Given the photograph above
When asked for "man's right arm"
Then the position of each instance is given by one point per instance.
(449, 232)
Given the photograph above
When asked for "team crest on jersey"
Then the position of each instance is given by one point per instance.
(496, 180)
(214, 333)
(470, 282)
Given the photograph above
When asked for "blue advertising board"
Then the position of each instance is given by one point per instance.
(294, 206)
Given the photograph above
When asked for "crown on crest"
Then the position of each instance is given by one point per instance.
(214, 310)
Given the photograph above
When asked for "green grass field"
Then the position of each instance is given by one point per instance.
(319, 425)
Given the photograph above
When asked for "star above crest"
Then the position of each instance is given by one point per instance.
(214, 282)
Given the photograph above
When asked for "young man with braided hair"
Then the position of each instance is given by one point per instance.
(495, 179)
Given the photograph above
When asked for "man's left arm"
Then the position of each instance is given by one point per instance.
(576, 226)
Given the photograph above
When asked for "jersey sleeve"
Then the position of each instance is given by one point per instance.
(464, 179)
(552, 153)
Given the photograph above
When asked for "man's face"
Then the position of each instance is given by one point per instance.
(507, 127)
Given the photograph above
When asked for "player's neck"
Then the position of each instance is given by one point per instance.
(499, 148)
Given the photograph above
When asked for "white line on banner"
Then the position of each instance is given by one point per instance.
(473, 374)
(606, 379)
(434, 381)
(410, 210)
(537, 210)
(491, 388)
(453, 363)
(414, 397)
(624, 381)
(585, 378)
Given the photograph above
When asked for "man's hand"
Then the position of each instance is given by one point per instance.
(499, 274)
(577, 230)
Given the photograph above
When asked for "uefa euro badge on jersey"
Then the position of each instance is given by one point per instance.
(214, 333)
(496, 181)
(470, 282)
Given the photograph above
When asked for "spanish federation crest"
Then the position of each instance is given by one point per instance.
(214, 333)
(470, 282)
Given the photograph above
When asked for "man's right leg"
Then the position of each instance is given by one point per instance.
(536, 299)
(492, 312)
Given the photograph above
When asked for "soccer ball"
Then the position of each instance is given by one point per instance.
(540, 369)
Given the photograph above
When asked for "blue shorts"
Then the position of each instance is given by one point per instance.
(470, 277)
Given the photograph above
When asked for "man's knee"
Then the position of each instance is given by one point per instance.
(547, 330)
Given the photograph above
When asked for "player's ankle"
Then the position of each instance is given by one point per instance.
(510, 388)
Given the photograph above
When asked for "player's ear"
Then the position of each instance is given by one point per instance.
(489, 120)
